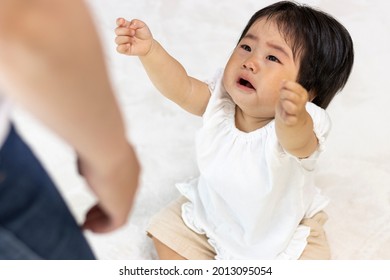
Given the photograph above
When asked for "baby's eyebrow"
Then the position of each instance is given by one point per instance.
(275, 46)
(279, 48)
(251, 36)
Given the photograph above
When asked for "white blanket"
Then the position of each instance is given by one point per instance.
(354, 170)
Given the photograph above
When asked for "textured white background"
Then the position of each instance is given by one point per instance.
(354, 171)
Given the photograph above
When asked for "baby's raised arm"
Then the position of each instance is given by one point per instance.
(166, 73)
(294, 125)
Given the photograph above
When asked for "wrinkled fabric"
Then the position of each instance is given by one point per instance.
(251, 194)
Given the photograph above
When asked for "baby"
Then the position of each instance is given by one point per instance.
(264, 127)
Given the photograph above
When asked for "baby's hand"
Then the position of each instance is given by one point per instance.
(133, 37)
(290, 109)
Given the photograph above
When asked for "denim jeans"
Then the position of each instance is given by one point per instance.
(35, 222)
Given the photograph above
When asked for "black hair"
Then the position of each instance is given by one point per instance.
(322, 44)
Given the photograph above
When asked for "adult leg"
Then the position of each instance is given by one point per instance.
(33, 215)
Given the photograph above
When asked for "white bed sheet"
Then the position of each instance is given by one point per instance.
(354, 170)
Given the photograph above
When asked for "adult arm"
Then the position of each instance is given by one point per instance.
(51, 63)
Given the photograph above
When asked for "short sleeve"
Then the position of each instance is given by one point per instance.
(321, 128)
(212, 83)
(321, 123)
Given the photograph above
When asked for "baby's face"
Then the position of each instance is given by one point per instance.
(256, 69)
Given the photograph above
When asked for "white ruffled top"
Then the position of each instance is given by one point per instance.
(251, 195)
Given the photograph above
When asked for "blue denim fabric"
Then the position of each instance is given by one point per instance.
(35, 222)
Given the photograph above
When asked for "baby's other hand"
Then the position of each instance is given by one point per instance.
(133, 37)
(290, 108)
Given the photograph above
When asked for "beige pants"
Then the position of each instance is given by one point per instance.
(168, 227)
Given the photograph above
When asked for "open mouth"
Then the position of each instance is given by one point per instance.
(245, 83)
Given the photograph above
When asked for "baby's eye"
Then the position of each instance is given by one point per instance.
(273, 58)
(246, 48)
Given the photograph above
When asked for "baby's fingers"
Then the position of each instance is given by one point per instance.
(120, 40)
(123, 31)
(289, 109)
(294, 92)
(123, 49)
(136, 23)
(121, 22)
(285, 114)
